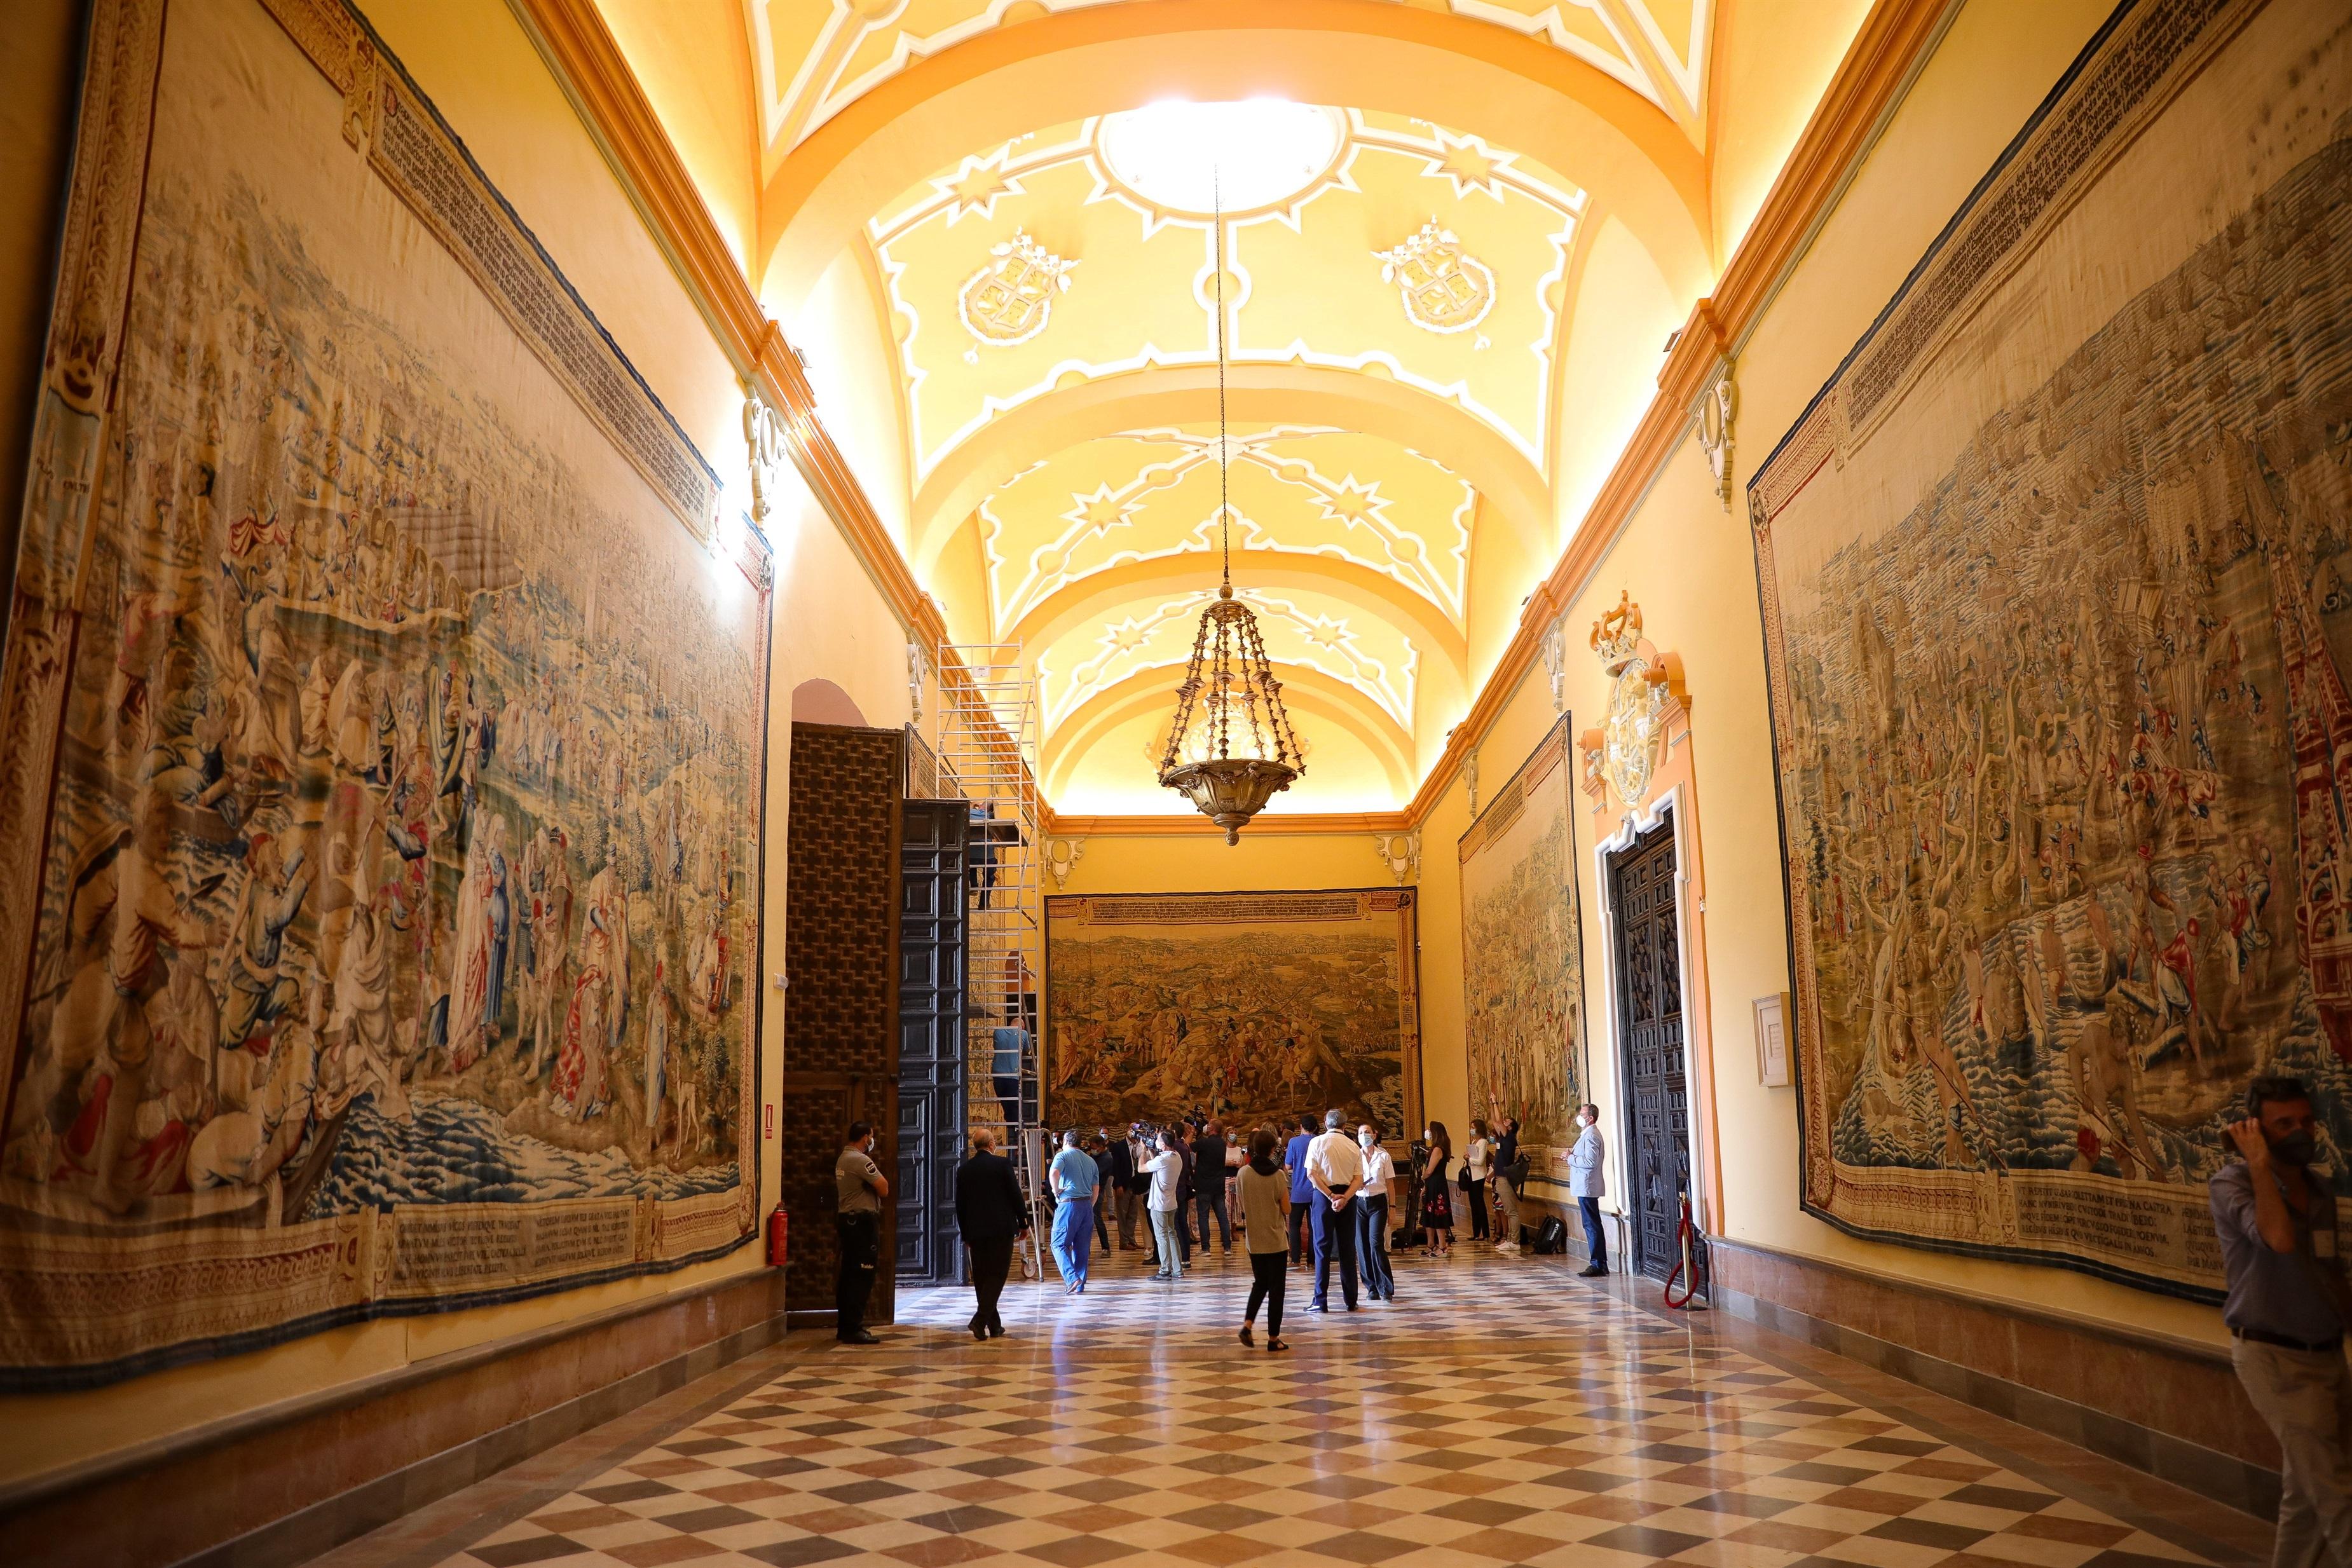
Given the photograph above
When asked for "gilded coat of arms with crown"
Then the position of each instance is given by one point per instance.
(1628, 754)
(1443, 287)
(1010, 300)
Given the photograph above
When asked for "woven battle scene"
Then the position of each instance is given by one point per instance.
(376, 889)
(1523, 955)
(1252, 1006)
(2057, 581)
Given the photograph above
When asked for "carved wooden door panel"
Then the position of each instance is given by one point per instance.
(1650, 1045)
(931, 1068)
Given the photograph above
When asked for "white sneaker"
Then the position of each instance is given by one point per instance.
(1509, 1247)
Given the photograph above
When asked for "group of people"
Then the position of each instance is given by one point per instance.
(1325, 1196)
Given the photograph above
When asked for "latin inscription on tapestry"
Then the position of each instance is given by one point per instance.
(1253, 1007)
(382, 936)
(1523, 955)
(2055, 589)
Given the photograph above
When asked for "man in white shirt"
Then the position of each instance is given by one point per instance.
(1373, 1216)
(1166, 1169)
(1335, 1171)
(1586, 1184)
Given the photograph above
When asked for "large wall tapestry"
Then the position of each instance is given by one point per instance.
(2057, 585)
(377, 890)
(1254, 1007)
(1523, 953)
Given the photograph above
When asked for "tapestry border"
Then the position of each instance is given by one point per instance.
(1826, 431)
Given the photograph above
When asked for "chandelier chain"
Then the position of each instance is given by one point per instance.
(1224, 442)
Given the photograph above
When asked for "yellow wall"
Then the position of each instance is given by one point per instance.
(484, 74)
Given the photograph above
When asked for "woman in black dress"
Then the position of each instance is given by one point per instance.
(1437, 1199)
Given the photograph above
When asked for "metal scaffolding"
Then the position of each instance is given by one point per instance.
(986, 745)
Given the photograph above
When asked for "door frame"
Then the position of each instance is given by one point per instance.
(1668, 803)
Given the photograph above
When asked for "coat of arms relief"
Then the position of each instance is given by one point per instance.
(1010, 300)
(1443, 287)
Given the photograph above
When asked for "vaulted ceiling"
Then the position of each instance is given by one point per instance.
(1445, 241)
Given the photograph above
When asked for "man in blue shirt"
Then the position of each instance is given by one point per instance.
(1302, 1187)
(1075, 1180)
(2287, 1313)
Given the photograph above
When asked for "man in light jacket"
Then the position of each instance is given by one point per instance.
(1585, 1181)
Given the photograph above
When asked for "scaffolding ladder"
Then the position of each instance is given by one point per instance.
(986, 743)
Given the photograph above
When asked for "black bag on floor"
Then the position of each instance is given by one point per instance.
(1551, 1236)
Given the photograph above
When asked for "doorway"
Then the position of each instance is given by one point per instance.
(1650, 1059)
(931, 1070)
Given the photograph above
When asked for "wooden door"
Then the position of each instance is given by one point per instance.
(931, 1070)
(1650, 1045)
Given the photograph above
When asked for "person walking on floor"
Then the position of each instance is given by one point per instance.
(1263, 1215)
(1373, 1216)
(1073, 1176)
(1477, 1164)
(1586, 1184)
(1337, 1170)
(990, 1213)
(1294, 1160)
(1510, 1178)
(1184, 1195)
(858, 1189)
(1436, 1197)
(1166, 1169)
(1098, 1151)
(2287, 1309)
(1209, 1183)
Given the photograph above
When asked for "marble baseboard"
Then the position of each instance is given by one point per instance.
(284, 1487)
(2171, 1409)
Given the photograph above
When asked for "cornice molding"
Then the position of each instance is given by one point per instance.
(1886, 53)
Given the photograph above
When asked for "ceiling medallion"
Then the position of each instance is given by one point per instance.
(1230, 747)
(1637, 701)
(1010, 300)
(1444, 288)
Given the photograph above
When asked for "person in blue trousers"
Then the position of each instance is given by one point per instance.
(1075, 1182)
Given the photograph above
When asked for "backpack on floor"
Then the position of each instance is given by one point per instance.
(1551, 1236)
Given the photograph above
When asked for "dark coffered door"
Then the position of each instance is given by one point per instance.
(1650, 1044)
(932, 1070)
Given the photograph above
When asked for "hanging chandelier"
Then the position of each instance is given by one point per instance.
(1231, 748)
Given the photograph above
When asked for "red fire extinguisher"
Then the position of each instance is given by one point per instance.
(776, 1224)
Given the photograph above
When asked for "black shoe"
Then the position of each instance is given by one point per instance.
(860, 1337)
(1591, 1271)
(1246, 1337)
(980, 1333)
(996, 1331)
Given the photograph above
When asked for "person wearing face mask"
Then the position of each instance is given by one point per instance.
(1373, 1216)
(1586, 1184)
(2286, 1312)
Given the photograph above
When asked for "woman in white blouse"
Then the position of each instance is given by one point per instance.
(1477, 1159)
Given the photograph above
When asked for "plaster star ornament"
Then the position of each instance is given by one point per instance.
(1010, 300)
(1444, 289)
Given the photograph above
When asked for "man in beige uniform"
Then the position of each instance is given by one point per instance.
(859, 1187)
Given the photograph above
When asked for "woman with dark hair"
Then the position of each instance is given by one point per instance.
(1263, 1217)
(1436, 1200)
(1478, 1162)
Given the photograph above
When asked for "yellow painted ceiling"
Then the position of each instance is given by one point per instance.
(814, 59)
(1000, 259)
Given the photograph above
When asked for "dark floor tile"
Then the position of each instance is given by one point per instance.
(1363, 1546)
(2002, 1497)
(962, 1521)
(537, 1549)
(628, 1491)
(798, 1553)
(694, 1520)
(1644, 1541)
(863, 1491)
(1928, 1532)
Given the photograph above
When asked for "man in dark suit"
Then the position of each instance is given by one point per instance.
(993, 1217)
(1119, 1181)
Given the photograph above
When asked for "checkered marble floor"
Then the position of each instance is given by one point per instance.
(1501, 1411)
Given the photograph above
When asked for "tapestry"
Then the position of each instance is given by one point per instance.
(2054, 580)
(1250, 1006)
(1523, 954)
(378, 892)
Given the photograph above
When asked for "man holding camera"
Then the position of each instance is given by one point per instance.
(2286, 1311)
